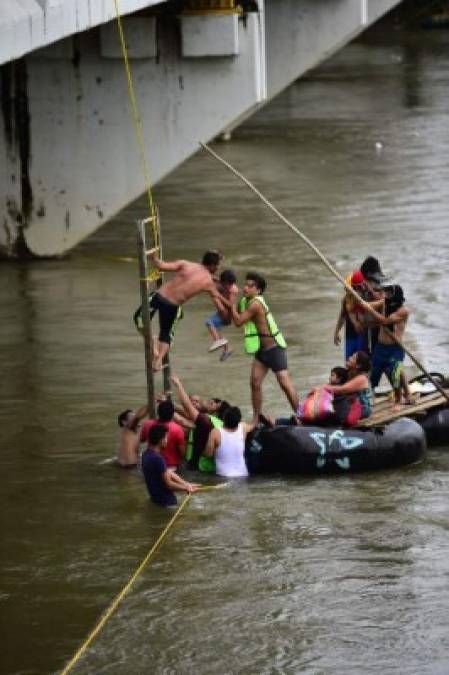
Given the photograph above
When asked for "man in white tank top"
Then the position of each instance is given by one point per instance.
(227, 445)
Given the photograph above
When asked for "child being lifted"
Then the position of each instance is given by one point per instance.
(227, 287)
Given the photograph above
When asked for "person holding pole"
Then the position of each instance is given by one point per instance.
(318, 253)
(388, 355)
(190, 279)
(358, 335)
(264, 341)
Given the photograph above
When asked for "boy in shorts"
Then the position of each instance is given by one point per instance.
(228, 288)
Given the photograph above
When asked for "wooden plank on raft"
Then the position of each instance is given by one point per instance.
(382, 404)
(382, 413)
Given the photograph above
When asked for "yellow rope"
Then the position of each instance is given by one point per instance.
(115, 603)
(137, 125)
(326, 262)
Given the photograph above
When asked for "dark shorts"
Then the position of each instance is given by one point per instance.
(387, 359)
(274, 358)
(168, 313)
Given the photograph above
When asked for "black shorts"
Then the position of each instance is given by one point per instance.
(168, 313)
(274, 358)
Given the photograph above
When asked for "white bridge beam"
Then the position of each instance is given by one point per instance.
(68, 147)
(26, 25)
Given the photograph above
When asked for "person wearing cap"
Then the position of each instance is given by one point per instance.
(388, 356)
(359, 335)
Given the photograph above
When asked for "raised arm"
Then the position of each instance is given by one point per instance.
(185, 401)
(182, 420)
(163, 265)
(140, 414)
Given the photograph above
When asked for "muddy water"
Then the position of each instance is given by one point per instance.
(275, 575)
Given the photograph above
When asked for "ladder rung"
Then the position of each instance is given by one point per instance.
(147, 220)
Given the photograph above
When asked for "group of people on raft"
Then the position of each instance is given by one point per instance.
(209, 433)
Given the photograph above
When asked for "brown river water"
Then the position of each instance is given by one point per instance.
(347, 574)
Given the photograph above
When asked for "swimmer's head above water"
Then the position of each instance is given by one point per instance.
(126, 417)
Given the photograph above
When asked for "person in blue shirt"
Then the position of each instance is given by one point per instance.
(161, 482)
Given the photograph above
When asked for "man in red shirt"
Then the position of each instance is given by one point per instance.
(174, 451)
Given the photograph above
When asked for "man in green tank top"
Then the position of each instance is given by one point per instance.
(264, 340)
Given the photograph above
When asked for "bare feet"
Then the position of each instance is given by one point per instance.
(396, 407)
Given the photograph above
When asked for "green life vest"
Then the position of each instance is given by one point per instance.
(205, 464)
(252, 336)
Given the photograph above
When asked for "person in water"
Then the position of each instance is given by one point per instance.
(161, 481)
(228, 288)
(190, 279)
(353, 400)
(388, 355)
(128, 445)
(206, 414)
(263, 340)
(227, 444)
(360, 334)
(174, 450)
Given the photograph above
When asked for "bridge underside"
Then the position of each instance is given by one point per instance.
(70, 159)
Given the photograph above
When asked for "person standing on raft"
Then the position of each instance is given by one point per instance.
(388, 355)
(190, 279)
(264, 340)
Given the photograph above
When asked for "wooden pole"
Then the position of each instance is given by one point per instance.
(323, 259)
(166, 362)
(147, 336)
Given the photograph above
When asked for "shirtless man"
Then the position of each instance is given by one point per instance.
(264, 340)
(388, 356)
(190, 279)
(128, 445)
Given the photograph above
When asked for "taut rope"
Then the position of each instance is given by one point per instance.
(323, 259)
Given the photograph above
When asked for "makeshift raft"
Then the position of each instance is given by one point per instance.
(309, 449)
(430, 411)
(386, 439)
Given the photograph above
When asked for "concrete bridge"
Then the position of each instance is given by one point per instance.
(69, 158)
